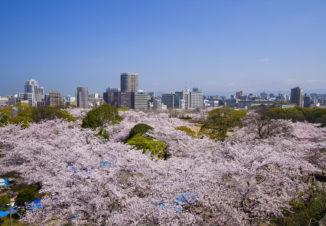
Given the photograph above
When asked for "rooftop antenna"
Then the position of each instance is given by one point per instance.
(186, 86)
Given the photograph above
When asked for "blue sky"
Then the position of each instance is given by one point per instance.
(217, 45)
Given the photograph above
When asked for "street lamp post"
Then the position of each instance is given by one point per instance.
(10, 195)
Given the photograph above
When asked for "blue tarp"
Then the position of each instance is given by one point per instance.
(107, 164)
(90, 171)
(74, 168)
(74, 218)
(36, 204)
(186, 198)
(7, 212)
(4, 182)
(153, 178)
(162, 205)
(177, 207)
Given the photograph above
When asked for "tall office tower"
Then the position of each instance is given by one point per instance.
(177, 100)
(30, 88)
(196, 98)
(168, 100)
(186, 98)
(141, 100)
(129, 82)
(82, 97)
(182, 99)
(111, 96)
(296, 96)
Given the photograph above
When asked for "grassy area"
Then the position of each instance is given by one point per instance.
(5, 221)
(186, 129)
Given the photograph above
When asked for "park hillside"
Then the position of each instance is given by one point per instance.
(109, 166)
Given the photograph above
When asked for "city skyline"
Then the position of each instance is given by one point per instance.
(220, 47)
(159, 92)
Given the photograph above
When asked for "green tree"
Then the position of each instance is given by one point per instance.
(147, 144)
(140, 129)
(297, 114)
(98, 117)
(23, 114)
(50, 113)
(220, 120)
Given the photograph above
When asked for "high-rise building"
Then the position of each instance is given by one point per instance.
(196, 98)
(296, 96)
(141, 100)
(307, 101)
(126, 100)
(186, 98)
(177, 99)
(33, 93)
(112, 96)
(39, 94)
(182, 99)
(54, 98)
(239, 94)
(129, 82)
(82, 97)
(168, 100)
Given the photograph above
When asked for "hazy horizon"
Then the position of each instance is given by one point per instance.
(217, 46)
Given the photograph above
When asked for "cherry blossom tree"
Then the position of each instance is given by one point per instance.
(88, 180)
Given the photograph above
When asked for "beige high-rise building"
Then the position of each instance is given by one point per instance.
(54, 98)
(129, 82)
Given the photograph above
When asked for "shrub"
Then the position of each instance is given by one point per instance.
(304, 211)
(140, 129)
(186, 129)
(98, 117)
(4, 201)
(124, 109)
(103, 133)
(147, 144)
(25, 195)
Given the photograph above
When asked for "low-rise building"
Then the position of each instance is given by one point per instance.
(249, 104)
